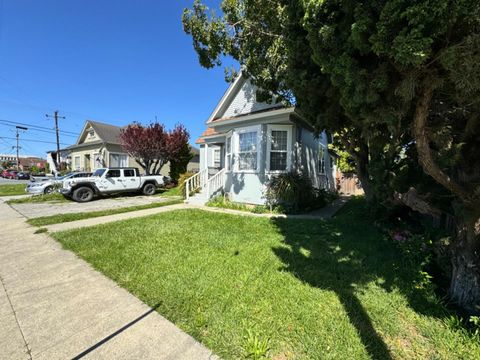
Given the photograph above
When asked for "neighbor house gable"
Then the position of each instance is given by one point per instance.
(94, 131)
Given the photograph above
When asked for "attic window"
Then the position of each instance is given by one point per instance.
(91, 133)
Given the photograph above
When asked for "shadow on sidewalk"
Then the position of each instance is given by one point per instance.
(112, 335)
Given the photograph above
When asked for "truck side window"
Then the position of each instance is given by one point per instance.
(129, 173)
(113, 173)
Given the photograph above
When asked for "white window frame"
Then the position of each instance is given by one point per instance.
(117, 153)
(288, 129)
(258, 130)
(228, 153)
(322, 150)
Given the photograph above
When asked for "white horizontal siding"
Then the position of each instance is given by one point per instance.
(245, 102)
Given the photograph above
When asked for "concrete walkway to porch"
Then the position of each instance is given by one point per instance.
(324, 213)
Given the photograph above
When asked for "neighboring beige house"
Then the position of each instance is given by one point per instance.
(99, 146)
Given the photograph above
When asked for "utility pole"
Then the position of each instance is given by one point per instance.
(56, 117)
(18, 146)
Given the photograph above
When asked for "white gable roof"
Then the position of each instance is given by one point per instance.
(239, 99)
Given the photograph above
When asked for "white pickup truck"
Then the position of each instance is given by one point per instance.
(108, 181)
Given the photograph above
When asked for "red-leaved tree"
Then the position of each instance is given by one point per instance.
(153, 146)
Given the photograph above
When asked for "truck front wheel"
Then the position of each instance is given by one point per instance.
(82, 194)
(149, 189)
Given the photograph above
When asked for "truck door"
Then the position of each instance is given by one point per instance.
(130, 179)
(113, 181)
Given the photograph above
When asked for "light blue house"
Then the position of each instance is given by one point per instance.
(247, 142)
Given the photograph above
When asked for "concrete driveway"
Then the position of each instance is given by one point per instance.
(33, 210)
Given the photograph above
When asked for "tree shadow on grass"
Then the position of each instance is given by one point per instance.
(343, 255)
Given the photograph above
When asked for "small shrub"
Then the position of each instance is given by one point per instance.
(294, 192)
(255, 346)
(475, 323)
(181, 183)
(261, 209)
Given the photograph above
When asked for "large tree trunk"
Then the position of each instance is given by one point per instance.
(361, 165)
(465, 279)
(465, 282)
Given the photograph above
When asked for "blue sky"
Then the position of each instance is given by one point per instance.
(114, 61)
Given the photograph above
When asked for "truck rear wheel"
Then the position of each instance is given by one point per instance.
(82, 194)
(149, 189)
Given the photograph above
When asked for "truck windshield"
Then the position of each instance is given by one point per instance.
(98, 172)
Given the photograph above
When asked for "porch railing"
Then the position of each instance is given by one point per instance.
(196, 182)
(215, 183)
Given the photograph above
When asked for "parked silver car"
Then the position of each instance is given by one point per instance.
(48, 186)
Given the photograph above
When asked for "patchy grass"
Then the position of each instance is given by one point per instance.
(61, 218)
(175, 191)
(12, 189)
(281, 288)
(55, 197)
(221, 202)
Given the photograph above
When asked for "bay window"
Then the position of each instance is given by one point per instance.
(279, 148)
(248, 150)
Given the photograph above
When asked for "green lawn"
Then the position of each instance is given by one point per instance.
(61, 218)
(12, 189)
(303, 289)
(175, 191)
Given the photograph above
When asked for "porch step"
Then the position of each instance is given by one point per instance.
(198, 199)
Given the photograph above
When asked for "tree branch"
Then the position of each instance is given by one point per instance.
(425, 157)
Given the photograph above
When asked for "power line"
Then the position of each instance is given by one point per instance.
(36, 126)
(31, 140)
(41, 130)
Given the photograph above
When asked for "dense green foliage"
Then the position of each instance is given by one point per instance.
(178, 165)
(396, 81)
(294, 192)
(312, 289)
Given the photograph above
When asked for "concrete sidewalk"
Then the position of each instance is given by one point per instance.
(53, 305)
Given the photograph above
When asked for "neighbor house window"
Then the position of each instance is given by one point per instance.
(228, 154)
(77, 162)
(279, 148)
(247, 150)
(321, 160)
(118, 160)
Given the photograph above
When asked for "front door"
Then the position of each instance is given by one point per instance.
(87, 162)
